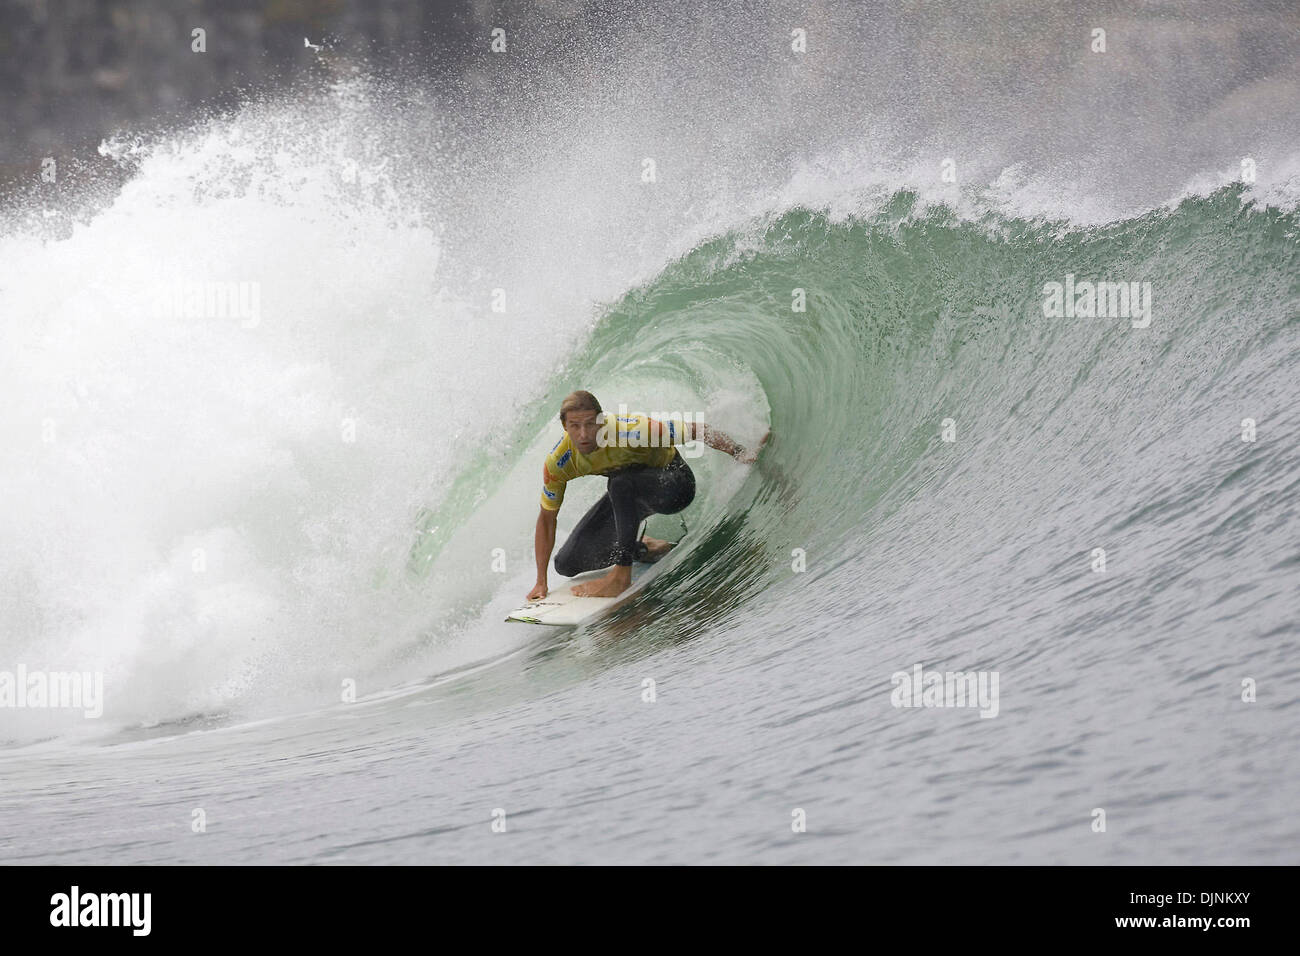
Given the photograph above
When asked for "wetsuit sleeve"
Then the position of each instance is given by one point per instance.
(552, 487)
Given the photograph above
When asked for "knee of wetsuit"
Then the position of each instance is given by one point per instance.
(681, 501)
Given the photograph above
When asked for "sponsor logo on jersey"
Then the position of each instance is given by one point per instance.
(548, 492)
(564, 459)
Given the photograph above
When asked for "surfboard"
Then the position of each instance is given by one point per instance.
(562, 608)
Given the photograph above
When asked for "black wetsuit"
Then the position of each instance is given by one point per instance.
(607, 533)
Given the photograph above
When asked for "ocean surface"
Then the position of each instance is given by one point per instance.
(275, 410)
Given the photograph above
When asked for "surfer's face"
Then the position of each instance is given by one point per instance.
(582, 427)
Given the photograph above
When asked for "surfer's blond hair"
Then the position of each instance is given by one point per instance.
(578, 402)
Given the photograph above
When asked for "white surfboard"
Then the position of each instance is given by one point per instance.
(562, 608)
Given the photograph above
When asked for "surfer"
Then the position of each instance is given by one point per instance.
(647, 475)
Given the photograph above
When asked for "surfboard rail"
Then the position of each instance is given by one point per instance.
(562, 608)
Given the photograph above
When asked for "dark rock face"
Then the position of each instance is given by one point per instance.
(75, 71)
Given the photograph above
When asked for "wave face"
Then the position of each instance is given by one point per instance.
(953, 462)
(229, 513)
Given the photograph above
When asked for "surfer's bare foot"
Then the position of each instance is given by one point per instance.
(656, 549)
(613, 584)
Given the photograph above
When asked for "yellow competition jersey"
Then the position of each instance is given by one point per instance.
(630, 447)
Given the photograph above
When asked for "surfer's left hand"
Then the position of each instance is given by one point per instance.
(748, 456)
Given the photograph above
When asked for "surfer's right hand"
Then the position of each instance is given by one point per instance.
(538, 592)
